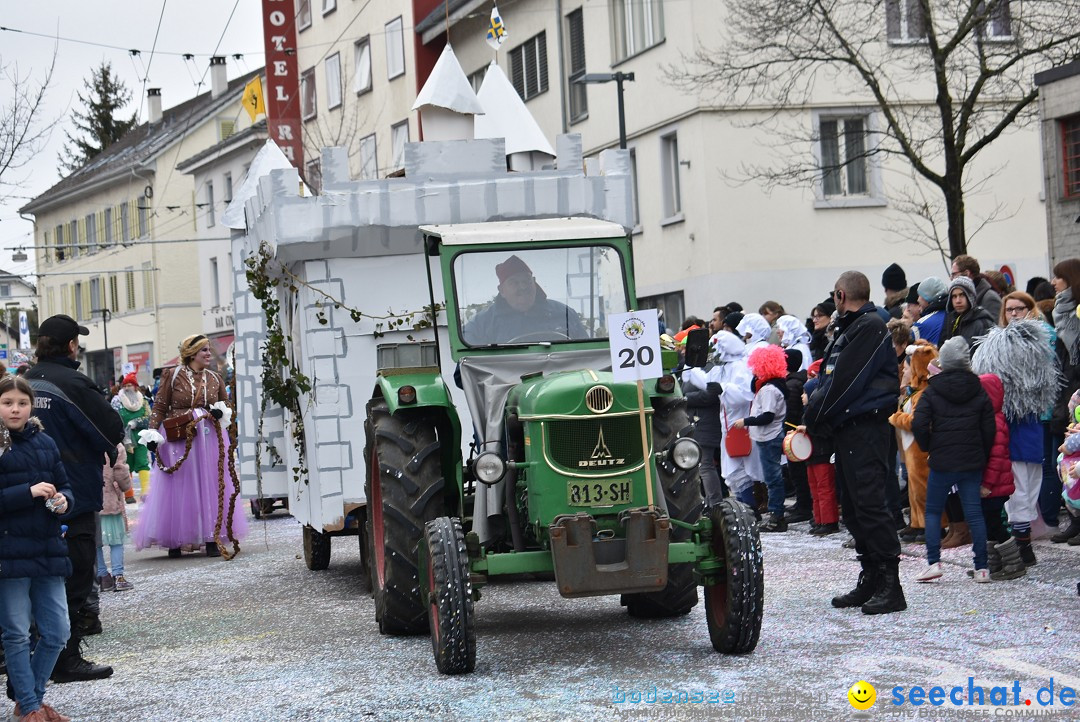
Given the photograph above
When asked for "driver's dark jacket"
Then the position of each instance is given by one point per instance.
(500, 322)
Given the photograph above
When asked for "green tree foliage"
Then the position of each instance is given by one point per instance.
(99, 124)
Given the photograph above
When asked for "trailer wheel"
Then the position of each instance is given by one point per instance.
(404, 491)
(734, 607)
(449, 596)
(316, 549)
(682, 493)
(256, 510)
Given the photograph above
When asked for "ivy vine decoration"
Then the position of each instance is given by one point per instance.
(283, 381)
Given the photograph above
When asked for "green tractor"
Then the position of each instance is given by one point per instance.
(555, 482)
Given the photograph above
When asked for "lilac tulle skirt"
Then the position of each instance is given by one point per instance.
(182, 508)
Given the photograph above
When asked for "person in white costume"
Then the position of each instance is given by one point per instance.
(729, 370)
(755, 330)
(793, 335)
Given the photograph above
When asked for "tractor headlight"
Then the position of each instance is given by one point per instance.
(489, 467)
(685, 453)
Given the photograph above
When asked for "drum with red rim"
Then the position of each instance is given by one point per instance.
(797, 446)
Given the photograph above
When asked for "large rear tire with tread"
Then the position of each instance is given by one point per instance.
(734, 607)
(682, 493)
(404, 491)
(316, 549)
(449, 596)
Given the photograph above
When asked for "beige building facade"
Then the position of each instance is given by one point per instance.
(115, 241)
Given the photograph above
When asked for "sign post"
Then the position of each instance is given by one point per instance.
(635, 356)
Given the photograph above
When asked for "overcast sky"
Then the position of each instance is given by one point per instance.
(187, 26)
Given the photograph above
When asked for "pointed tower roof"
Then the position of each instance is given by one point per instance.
(507, 117)
(447, 87)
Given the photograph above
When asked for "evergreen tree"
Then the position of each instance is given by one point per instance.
(97, 126)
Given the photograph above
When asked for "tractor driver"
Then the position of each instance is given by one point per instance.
(522, 312)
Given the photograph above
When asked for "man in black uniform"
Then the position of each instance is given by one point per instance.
(858, 392)
(85, 428)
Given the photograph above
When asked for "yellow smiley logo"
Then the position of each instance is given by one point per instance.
(862, 695)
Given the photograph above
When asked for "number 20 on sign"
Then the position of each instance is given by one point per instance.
(635, 345)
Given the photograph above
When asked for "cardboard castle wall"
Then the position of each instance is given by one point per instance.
(359, 243)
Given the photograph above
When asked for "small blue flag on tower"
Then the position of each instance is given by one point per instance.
(496, 32)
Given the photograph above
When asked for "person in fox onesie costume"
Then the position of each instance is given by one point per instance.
(919, 356)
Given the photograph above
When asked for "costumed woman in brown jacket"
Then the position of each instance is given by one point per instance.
(189, 501)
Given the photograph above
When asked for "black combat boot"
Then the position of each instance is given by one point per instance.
(889, 596)
(71, 666)
(868, 582)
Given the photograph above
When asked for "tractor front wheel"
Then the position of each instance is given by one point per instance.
(734, 606)
(404, 490)
(449, 596)
(682, 494)
(316, 549)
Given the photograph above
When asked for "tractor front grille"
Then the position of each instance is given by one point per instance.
(595, 445)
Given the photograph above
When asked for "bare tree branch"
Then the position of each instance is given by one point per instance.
(23, 132)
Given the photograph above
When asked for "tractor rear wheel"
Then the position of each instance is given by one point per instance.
(404, 491)
(449, 596)
(734, 606)
(682, 493)
(316, 549)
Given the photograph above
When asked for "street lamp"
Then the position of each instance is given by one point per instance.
(619, 77)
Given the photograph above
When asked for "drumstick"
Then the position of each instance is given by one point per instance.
(794, 426)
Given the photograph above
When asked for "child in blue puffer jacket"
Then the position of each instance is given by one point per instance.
(34, 562)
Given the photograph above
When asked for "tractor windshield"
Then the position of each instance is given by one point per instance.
(538, 295)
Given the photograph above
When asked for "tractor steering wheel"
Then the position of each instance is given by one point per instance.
(526, 336)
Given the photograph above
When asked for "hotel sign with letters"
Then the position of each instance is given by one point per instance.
(282, 79)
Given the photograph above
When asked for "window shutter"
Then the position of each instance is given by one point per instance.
(577, 41)
(100, 217)
(86, 305)
(892, 18)
(228, 127)
(517, 72)
(541, 55)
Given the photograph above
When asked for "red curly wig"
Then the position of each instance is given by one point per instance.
(767, 363)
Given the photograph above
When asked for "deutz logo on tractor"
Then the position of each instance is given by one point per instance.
(601, 455)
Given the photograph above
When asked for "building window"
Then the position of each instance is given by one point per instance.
(148, 284)
(905, 21)
(314, 175)
(226, 128)
(671, 307)
(637, 26)
(843, 156)
(399, 136)
(227, 188)
(129, 283)
(303, 14)
(369, 164)
(307, 94)
(333, 81)
(73, 238)
(395, 49)
(634, 189)
(5, 290)
(844, 151)
(143, 218)
(58, 237)
(579, 100)
(108, 239)
(477, 79)
(95, 295)
(362, 71)
(125, 222)
(91, 233)
(77, 292)
(210, 204)
(669, 169)
(528, 67)
(1070, 153)
(328, 6)
(215, 289)
(998, 22)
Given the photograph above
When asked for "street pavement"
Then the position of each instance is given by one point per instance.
(262, 638)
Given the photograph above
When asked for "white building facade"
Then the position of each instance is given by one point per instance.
(702, 239)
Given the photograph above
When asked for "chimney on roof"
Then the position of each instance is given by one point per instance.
(153, 105)
(218, 79)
